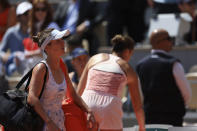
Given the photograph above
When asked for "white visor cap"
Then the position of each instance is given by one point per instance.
(23, 7)
(55, 35)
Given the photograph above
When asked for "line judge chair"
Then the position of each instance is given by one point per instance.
(192, 79)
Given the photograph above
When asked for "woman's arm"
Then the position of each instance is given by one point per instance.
(79, 101)
(83, 80)
(35, 88)
(135, 94)
(76, 98)
(71, 75)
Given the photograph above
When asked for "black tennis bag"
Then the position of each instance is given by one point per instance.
(15, 113)
(4, 85)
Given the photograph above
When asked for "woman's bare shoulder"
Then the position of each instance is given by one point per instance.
(100, 55)
(125, 66)
(39, 70)
(122, 62)
(98, 58)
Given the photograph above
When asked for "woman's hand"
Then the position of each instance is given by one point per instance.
(142, 129)
(51, 126)
(91, 122)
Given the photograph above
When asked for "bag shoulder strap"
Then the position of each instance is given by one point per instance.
(24, 79)
(28, 76)
(45, 78)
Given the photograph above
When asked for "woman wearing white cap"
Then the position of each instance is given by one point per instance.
(49, 107)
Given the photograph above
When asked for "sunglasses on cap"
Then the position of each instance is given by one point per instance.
(41, 9)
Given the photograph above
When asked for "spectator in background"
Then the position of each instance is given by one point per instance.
(127, 14)
(30, 57)
(74, 41)
(41, 17)
(79, 60)
(190, 8)
(80, 17)
(165, 88)
(13, 38)
(177, 6)
(166, 6)
(7, 17)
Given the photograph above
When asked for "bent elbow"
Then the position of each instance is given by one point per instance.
(31, 100)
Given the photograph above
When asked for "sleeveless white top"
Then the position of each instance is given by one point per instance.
(52, 98)
(107, 77)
